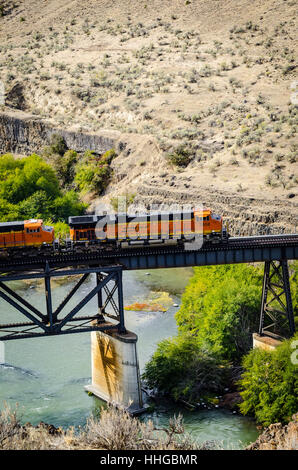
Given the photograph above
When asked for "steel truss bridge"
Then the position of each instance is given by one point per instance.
(273, 250)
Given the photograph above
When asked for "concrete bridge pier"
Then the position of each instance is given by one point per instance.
(115, 370)
(266, 341)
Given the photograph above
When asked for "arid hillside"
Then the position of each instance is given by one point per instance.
(200, 94)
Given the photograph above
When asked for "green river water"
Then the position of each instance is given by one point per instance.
(46, 376)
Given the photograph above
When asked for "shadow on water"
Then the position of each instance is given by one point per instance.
(19, 370)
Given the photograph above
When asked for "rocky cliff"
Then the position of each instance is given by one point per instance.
(278, 437)
(142, 170)
(245, 215)
(24, 133)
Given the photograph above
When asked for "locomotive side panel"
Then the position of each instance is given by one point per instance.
(131, 228)
(11, 234)
(29, 233)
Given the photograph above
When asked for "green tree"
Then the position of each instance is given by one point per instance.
(183, 369)
(269, 384)
(220, 307)
(57, 146)
(68, 204)
(38, 206)
(64, 166)
(8, 211)
(29, 188)
(93, 173)
(20, 178)
(61, 228)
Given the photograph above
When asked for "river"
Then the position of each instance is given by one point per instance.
(46, 376)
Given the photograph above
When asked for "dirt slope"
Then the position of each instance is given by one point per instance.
(212, 79)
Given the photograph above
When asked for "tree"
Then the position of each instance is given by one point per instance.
(93, 174)
(29, 188)
(64, 166)
(38, 206)
(220, 307)
(183, 369)
(8, 211)
(57, 145)
(269, 385)
(66, 205)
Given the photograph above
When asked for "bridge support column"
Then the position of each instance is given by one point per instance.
(115, 370)
(276, 317)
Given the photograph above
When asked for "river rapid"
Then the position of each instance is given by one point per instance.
(46, 376)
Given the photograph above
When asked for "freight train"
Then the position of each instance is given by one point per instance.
(107, 232)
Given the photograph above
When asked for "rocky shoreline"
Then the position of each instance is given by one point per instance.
(278, 437)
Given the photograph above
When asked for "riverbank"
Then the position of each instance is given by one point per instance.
(278, 437)
(112, 430)
(117, 430)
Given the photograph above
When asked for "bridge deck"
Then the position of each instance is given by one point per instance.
(237, 250)
(108, 266)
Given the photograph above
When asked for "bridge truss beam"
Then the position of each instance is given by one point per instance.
(277, 315)
(108, 290)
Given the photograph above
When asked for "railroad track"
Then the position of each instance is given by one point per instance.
(67, 258)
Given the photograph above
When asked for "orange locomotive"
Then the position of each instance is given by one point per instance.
(124, 229)
(108, 231)
(29, 233)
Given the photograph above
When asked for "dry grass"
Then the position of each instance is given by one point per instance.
(113, 430)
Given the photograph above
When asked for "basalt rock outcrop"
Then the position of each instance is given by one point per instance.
(15, 97)
(244, 215)
(25, 133)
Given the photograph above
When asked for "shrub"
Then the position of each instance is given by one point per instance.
(9, 425)
(181, 368)
(94, 173)
(29, 188)
(57, 145)
(220, 307)
(180, 157)
(113, 430)
(129, 200)
(269, 385)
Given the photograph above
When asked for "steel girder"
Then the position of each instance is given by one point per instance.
(53, 322)
(277, 314)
